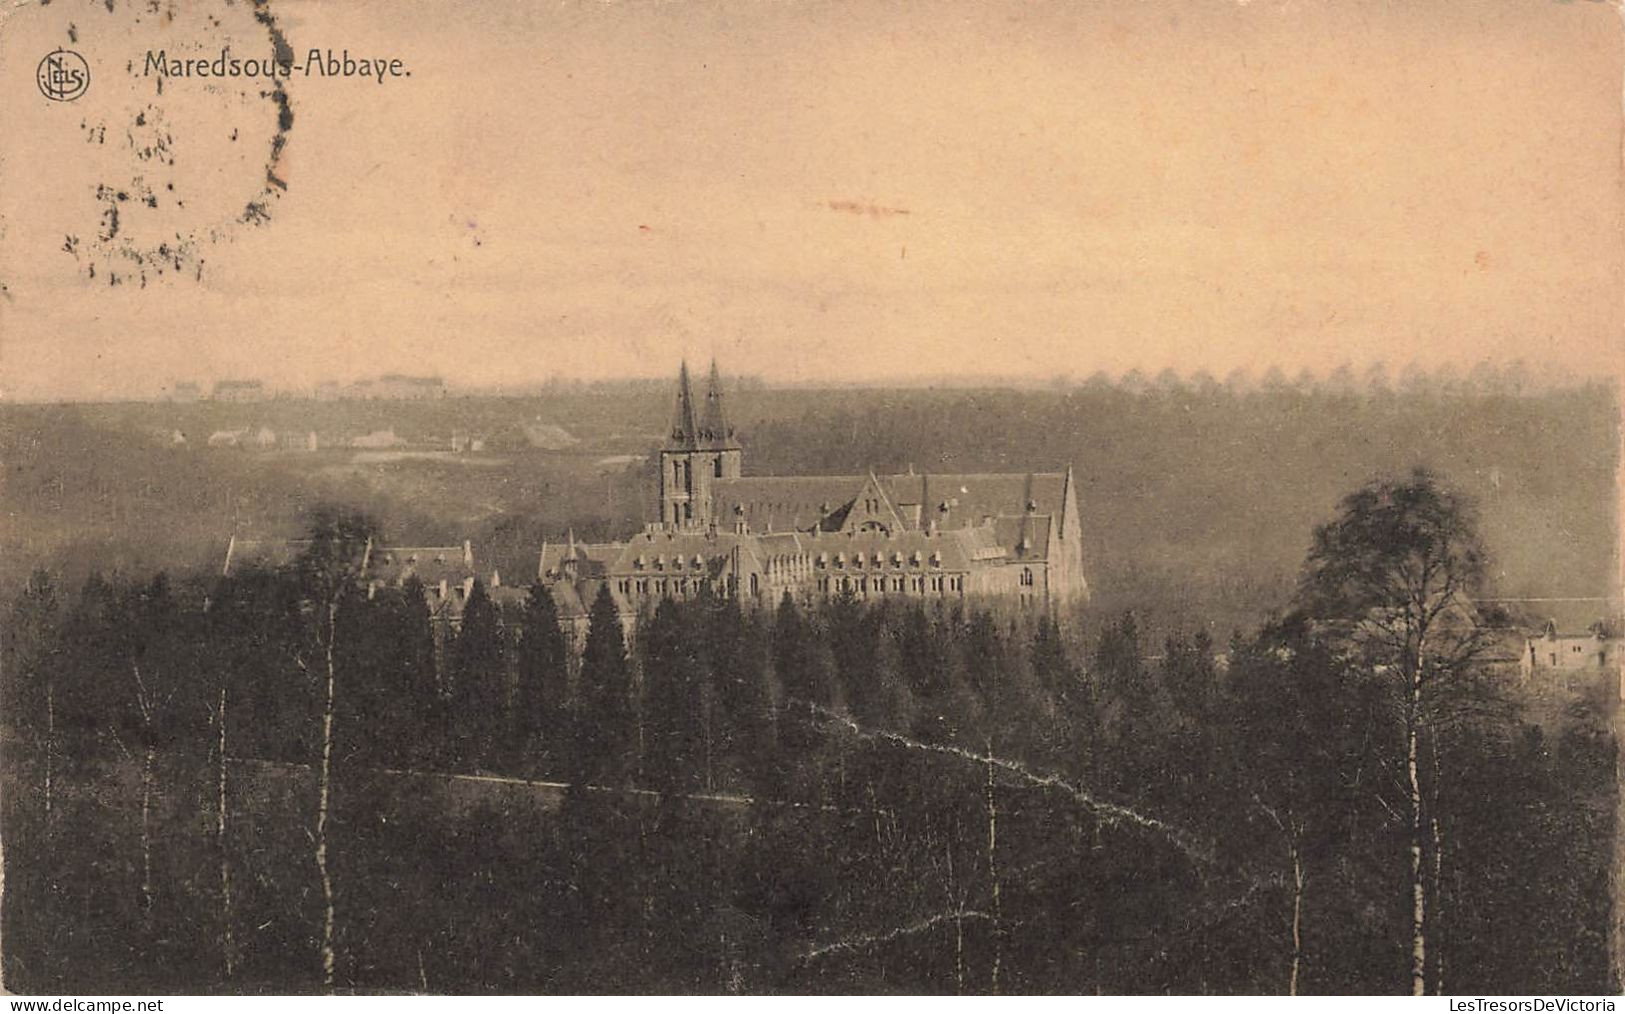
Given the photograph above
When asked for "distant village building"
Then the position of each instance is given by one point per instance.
(447, 573)
(401, 386)
(375, 440)
(228, 438)
(1568, 658)
(240, 390)
(1015, 537)
(293, 440)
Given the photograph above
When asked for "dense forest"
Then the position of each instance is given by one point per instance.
(275, 782)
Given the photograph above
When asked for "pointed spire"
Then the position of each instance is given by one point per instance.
(684, 428)
(716, 433)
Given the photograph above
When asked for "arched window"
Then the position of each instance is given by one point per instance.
(1027, 577)
(753, 585)
(718, 464)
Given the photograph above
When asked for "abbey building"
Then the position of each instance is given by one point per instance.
(1013, 536)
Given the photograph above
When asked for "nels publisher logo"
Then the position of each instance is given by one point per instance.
(63, 75)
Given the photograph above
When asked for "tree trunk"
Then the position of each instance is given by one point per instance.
(324, 789)
(1418, 885)
(1297, 919)
(50, 746)
(147, 759)
(220, 836)
(993, 873)
(1437, 915)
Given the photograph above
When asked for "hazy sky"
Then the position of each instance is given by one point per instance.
(814, 191)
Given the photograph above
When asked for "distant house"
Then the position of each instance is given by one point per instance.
(264, 438)
(1567, 652)
(399, 385)
(447, 574)
(239, 390)
(295, 441)
(1553, 651)
(376, 439)
(228, 438)
(548, 437)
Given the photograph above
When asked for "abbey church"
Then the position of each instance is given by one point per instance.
(1011, 536)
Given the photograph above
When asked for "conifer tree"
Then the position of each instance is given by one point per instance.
(606, 725)
(477, 671)
(542, 698)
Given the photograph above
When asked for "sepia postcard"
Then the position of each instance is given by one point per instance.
(879, 497)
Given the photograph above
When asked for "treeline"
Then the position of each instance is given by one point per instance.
(277, 782)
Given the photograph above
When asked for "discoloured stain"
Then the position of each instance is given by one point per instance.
(866, 208)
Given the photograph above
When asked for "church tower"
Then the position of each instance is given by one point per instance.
(699, 449)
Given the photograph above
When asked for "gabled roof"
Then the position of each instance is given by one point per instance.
(429, 564)
(1025, 537)
(954, 500)
(777, 503)
(972, 496)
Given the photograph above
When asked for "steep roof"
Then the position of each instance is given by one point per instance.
(702, 427)
(715, 433)
(685, 429)
(783, 502)
(429, 564)
(953, 500)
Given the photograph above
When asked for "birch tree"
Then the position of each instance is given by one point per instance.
(328, 571)
(1392, 581)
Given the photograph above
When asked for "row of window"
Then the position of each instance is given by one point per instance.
(677, 563)
(897, 583)
(919, 584)
(860, 560)
(682, 472)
